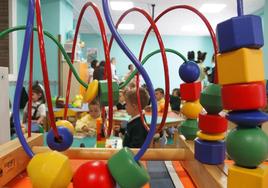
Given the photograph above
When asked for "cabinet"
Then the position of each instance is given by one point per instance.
(76, 88)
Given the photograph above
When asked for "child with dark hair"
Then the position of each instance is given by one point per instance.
(175, 101)
(159, 95)
(38, 108)
(136, 133)
(98, 73)
(121, 105)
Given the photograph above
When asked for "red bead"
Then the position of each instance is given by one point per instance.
(212, 124)
(93, 174)
(244, 96)
(190, 91)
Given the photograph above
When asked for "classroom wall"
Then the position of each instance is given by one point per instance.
(154, 65)
(57, 19)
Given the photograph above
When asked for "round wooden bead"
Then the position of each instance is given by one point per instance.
(210, 99)
(93, 174)
(191, 109)
(248, 96)
(67, 124)
(50, 170)
(126, 171)
(248, 147)
(212, 124)
(189, 72)
(189, 129)
(63, 143)
(210, 137)
(92, 91)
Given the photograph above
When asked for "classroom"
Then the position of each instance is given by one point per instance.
(133, 94)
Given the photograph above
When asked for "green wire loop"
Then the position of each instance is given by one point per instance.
(17, 28)
(146, 59)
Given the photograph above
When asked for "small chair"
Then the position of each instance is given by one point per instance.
(58, 115)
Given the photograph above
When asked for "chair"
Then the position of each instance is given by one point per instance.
(58, 115)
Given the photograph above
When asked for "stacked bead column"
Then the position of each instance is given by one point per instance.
(241, 72)
(210, 146)
(190, 92)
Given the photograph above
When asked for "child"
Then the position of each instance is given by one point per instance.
(87, 124)
(121, 105)
(175, 101)
(38, 108)
(135, 133)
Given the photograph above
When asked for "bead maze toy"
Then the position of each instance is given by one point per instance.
(247, 145)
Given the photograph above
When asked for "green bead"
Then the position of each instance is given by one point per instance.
(126, 171)
(103, 92)
(189, 129)
(210, 99)
(248, 147)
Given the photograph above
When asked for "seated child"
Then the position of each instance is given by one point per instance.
(159, 95)
(38, 108)
(121, 105)
(175, 101)
(135, 133)
(87, 124)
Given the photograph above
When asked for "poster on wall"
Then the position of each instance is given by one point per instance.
(92, 53)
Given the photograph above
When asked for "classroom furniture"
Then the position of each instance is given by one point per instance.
(76, 88)
(4, 106)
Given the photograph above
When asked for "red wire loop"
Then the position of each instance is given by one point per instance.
(165, 65)
(108, 71)
(44, 67)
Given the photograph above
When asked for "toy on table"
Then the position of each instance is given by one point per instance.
(78, 101)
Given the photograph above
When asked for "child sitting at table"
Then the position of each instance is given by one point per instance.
(87, 124)
(121, 105)
(38, 108)
(135, 133)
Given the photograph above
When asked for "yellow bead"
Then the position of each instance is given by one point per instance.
(240, 66)
(191, 109)
(92, 91)
(67, 124)
(50, 170)
(248, 178)
(210, 137)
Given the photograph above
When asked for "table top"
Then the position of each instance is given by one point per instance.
(172, 118)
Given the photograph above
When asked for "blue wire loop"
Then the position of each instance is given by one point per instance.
(240, 9)
(144, 74)
(21, 74)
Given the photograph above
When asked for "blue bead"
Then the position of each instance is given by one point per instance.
(210, 152)
(189, 71)
(238, 32)
(247, 118)
(66, 139)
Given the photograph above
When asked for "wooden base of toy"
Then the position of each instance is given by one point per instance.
(203, 175)
(13, 159)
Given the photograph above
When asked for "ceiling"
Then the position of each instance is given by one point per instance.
(173, 22)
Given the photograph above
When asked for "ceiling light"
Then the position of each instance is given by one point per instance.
(212, 8)
(126, 26)
(121, 5)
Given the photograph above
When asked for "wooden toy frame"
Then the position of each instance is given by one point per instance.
(13, 160)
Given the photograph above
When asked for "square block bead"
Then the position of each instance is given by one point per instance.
(247, 178)
(240, 66)
(239, 32)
